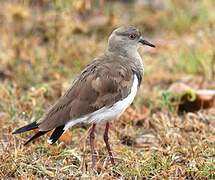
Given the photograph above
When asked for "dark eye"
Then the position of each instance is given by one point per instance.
(132, 36)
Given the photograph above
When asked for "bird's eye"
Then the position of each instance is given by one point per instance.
(132, 36)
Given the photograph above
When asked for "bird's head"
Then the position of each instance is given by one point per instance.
(126, 39)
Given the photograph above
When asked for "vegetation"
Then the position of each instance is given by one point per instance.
(44, 44)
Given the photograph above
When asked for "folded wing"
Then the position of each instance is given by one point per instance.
(101, 84)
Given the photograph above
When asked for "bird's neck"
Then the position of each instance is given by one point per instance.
(131, 56)
(124, 51)
(137, 65)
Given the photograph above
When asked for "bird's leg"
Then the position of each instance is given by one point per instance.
(92, 145)
(107, 143)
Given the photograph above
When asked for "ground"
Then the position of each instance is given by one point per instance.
(44, 44)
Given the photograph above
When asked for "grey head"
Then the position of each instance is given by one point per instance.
(126, 40)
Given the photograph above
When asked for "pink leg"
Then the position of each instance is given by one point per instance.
(107, 143)
(92, 145)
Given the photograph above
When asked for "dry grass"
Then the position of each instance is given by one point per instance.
(43, 45)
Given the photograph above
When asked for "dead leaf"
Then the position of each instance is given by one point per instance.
(66, 137)
(21, 178)
(191, 100)
(3, 118)
(206, 97)
(147, 140)
(179, 88)
(5, 74)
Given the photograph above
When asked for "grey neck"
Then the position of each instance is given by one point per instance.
(131, 56)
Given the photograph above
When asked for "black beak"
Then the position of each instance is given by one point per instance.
(144, 42)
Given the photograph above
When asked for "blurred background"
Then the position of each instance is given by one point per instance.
(168, 131)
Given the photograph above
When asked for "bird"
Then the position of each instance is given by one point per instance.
(102, 91)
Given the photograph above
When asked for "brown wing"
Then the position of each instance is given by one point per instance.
(100, 84)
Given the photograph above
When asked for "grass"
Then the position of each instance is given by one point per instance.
(44, 45)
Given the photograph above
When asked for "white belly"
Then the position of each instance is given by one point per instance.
(105, 114)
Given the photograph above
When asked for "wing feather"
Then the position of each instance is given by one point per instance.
(100, 84)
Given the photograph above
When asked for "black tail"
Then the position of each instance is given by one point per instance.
(28, 127)
(38, 134)
(54, 137)
(56, 134)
